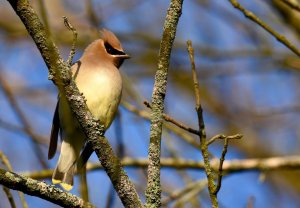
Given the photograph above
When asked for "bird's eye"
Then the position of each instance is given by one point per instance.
(109, 49)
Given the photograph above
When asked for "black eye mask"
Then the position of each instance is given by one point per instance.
(109, 49)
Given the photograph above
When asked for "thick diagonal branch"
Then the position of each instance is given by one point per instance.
(59, 72)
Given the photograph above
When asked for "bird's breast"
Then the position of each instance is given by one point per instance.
(102, 89)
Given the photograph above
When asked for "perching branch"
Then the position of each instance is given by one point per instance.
(60, 74)
(153, 191)
(40, 189)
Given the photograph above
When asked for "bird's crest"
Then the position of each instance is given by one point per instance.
(110, 38)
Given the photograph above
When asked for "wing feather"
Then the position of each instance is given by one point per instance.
(54, 134)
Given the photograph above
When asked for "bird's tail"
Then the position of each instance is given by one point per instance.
(65, 179)
(66, 166)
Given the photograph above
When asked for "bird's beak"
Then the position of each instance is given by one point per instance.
(125, 56)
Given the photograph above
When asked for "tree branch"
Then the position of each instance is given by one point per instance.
(222, 136)
(179, 132)
(173, 121)
(220, 170)
(153, 191)
(293, 4)
(40, 189)
(9, 197)
(180, 193)
(73, 48)
(60, 74)
(202, 133)
(254, 18)
(229, 166)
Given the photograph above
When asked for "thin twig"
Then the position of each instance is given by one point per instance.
(73, 49)
(191, 195)
(16, 128)
(6, 162)
(153, 191)
(222, 136)
(110, 197)
(254, 18)
(194, 75)
(202, 135)
(250, 202)
(43, 13)
(91, 14)
(222, 158)
(6, 190)
(220, 170)
(83, 186)
(173, 121)
(214, 138)
(178, 131)
(170, 146)
(9, 197)
(179, 193)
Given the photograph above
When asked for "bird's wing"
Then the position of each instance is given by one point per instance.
(54, 133)
(84, 156)
(55, 123)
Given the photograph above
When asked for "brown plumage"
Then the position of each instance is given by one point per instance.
(97, 76)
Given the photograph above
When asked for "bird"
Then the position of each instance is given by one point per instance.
(97, 77)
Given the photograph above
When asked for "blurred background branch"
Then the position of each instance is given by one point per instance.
(229, 166)
(7, 164)
(25, 123)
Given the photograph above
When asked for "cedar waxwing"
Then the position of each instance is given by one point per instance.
(97, 76)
